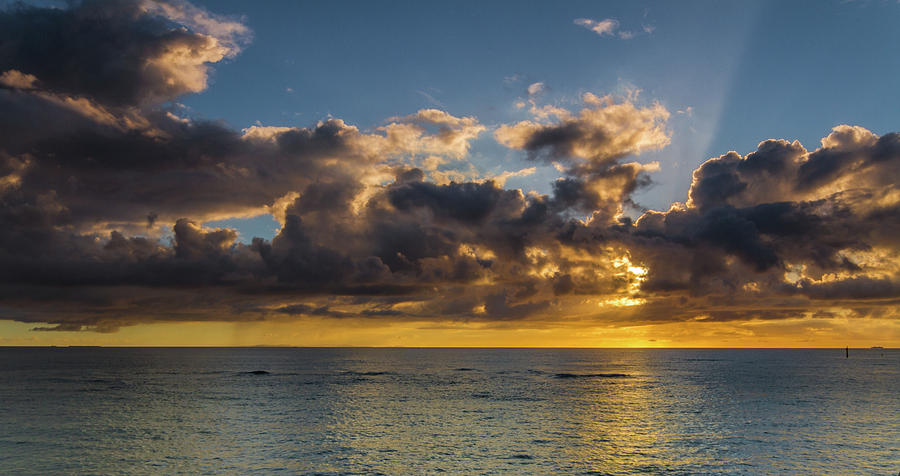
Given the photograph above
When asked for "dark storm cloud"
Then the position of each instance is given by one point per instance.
(82, 117)
(197, 168)
(850, 158)
(114, 51)
(307, 310)
(90, 175)
(756, 227)
(858, 287)
(469, 203)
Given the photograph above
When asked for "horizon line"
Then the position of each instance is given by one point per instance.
(268, 346)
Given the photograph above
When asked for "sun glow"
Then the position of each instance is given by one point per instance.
(634, 275)
(623, 302)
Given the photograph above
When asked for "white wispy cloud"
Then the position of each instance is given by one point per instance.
(535, 88)
(603, 27)
(610, 27)
(431, 99)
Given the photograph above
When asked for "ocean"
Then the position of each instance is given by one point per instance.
(459, 411)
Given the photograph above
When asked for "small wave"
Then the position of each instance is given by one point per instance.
(521, 456)
(258, 372)
(506, 398)
(518, 398)
(367, 374)
(464, 369)
(568, 375)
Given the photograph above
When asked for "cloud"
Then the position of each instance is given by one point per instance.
(430, 98)
(610, 27)
(755, 228)
(535, 88)
(232, 33)
(501, 179)
(17, 80)
(126, 53)
(102, 204)
(603, 131)
(603, 27)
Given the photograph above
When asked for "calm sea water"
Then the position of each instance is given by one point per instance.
(472, 411)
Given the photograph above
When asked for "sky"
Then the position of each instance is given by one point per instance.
(591, 174)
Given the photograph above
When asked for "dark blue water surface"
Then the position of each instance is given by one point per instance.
(425, 411)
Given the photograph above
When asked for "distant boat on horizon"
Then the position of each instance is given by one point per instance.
(876, 347)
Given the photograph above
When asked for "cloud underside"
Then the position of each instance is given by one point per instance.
(393, 223)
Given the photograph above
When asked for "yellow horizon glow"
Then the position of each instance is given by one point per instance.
(788, 333)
